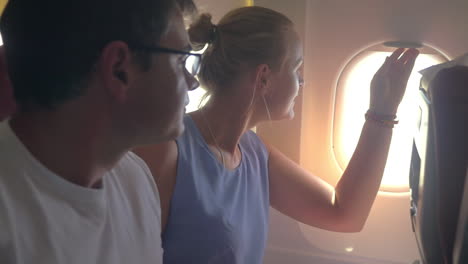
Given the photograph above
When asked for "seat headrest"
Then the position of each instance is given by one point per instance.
(428, 74)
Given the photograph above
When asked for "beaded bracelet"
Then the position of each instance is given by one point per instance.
(382, 120)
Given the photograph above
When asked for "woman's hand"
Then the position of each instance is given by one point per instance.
(389, 83)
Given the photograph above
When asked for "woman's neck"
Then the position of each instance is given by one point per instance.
(222, 122)
(226, 122)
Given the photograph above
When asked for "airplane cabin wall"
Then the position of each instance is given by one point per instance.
(333, 32)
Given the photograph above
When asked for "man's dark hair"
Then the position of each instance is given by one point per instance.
(51, 46)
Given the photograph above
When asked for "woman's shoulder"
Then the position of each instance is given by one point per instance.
(251, 141)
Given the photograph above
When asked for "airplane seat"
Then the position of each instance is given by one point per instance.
(460, 247)
(449, 93)
(438, 165)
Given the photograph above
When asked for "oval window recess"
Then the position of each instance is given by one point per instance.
(352, 101)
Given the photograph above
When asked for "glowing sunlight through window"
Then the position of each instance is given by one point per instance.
(352, 102)
(195, 98)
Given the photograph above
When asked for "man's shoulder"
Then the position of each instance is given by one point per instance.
(133, 171)
(131, 163)
(133, 158)
(135, 182)
(11, 159)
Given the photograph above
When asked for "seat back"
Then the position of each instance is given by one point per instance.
(438, 165)
(460, 247)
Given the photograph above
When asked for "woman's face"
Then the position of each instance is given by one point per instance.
(286, 82)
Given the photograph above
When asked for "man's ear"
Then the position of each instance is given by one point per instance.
(115, 69)
(262, 79)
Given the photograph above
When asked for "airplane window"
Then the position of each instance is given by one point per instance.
(352, 101)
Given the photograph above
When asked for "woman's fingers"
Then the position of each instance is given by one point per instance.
(405, 63)
(410, 59)
(409, 55)
(396, 54)
(389, 83)
(398, 66)
(395, 62)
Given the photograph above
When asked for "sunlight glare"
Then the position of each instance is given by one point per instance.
(195, 97)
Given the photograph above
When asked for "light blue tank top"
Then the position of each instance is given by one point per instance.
(217, 215)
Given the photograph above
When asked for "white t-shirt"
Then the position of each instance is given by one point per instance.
(46, 219)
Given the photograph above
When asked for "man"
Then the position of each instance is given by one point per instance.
(7, 103)
(92, 79)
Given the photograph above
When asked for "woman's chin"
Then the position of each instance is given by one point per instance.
(288, 115)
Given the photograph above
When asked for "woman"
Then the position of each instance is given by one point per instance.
(218, 179)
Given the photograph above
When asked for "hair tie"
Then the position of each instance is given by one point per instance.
(214, 33)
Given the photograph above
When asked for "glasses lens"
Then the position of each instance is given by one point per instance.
(192, 64)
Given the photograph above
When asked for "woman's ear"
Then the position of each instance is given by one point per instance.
(263, 79)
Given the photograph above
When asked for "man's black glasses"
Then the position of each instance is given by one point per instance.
(192, 61)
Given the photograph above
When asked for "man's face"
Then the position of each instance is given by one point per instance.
(159, 95)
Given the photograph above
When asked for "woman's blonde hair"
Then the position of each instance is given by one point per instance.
(247, 36)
